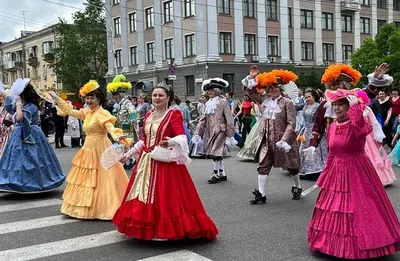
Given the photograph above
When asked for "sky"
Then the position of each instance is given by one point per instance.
(39, 14)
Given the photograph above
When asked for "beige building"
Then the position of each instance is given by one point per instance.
(222, 38)
(29, 56)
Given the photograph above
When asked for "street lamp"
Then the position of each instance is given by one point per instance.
(112, 32)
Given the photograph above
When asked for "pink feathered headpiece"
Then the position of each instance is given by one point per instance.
(333, 96)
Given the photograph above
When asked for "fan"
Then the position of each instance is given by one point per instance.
(44, 94)
(111, 156)
(291, 90)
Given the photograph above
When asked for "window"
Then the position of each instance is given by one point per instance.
(248, 8)
(190, 86)
(364, 25)
(149, 17)
(397, 24)
(132, 22)
(190, 43)
(189, 8)
(307, 51)
(117, 26)
(291, 50)
(133, 55)
(381, 3)
(290, 16)
(327, 21)
(273, 45)
(230, 79)
(169, 48)
(115, 2)
(224, 7)
(150, 52)
(365, 2)
(396, 5)
(306, 19)
(118, 58)
(168, 12)
(249, 44)
(47, 47)
(225, 43)
(347, 23)
(380, 24)
(347, 50)
(328, 52)
(272, 10)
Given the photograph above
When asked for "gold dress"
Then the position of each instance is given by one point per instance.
(93, 192)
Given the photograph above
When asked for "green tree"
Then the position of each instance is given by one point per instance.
(384, 48)
(81, 49)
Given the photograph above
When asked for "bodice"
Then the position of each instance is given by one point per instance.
(91, 124)
(343, 140)
(31, 110)
(309, 114)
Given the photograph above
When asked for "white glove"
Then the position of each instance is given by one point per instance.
(252, 83)
(310, 152)
(53, 94)
(352, 100)
(18, 100)
(284, 145)
(196, 138)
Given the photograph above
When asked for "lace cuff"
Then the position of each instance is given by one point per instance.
(135, 151)
(180, 150)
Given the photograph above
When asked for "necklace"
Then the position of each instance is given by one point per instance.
(158, 115)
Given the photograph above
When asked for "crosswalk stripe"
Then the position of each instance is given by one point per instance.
(30, 205)
(35, 223)
(62, 246)
(182, 255)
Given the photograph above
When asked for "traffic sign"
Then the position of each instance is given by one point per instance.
(172, 68)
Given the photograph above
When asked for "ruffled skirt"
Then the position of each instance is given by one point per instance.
(353, 216)
(173, 211)
(249, 149)
(93, 192)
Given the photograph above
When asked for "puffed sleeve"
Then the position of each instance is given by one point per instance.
(64, 108)
(289, 136)
(376, 126)
(28, 111)
(107, 121)
(178, 142)
(9, 105)
(361, 127)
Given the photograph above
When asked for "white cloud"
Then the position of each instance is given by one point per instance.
(38, 15)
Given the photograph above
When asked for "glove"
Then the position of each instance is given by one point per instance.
(310, 152)
(284, 145)
(352, 100)
(18, 100)
(53, 94)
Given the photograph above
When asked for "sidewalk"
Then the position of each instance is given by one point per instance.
(52, 138)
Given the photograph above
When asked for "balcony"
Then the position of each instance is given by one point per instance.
(33, 61)
(350, 5)
(48, 57)
(12, 65)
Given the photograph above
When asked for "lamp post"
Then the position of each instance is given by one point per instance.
(111, 32)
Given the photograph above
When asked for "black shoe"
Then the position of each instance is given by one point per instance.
(58, 146)
(223, 178)
(258, 198)
(64, 146)
(296, 193)
(213, 180)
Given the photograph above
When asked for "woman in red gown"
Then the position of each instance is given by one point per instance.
(161, 201)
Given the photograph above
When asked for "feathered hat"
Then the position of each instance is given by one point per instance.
(119, 85)
(342, 73)
(386, 80)
(217, 84)
(88, 88)
(274, 77)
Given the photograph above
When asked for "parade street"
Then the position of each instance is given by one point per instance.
(32, 227)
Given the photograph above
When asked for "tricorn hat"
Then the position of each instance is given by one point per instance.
(214, 83)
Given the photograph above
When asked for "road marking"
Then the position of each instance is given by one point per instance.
(35, 223)
(62, 246)
(30, 205)
(182, 255)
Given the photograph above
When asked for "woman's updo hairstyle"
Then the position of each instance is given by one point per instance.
(168, 91)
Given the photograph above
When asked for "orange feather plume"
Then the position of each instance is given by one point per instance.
(333, 72)
(285, 75)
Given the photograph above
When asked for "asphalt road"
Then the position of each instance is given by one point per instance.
(31, 227)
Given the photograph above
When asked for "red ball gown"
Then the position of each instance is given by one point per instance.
(353, 216)
(161, 201)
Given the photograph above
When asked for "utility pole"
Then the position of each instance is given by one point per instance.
(23, 14)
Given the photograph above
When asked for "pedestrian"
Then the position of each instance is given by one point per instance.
(6, 124)
(353, 216)
(28, 163)
(74, 130)
(93, 192)
(161, 201)
(218, 123)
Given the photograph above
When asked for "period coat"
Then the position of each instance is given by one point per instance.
(281, 128)
(218, 125)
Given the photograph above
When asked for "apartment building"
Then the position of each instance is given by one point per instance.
(185, 41)
(29, 56)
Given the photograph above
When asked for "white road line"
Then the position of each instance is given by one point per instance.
(35, 223)
(30, 205)
(62, 246)
(183, 255)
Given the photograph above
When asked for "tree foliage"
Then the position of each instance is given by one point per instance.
(384, 48)
(81, 49)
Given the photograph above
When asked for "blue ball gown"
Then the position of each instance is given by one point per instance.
(28, 164)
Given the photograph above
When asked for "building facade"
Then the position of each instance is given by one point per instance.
(29, 56)
(185, 41)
